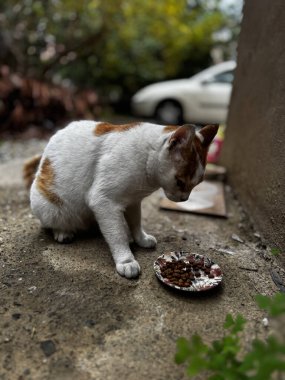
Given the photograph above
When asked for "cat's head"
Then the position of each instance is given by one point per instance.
(185, 155)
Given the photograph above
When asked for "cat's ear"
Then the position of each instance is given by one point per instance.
(182, 138)
(180, 142)
(207, 134)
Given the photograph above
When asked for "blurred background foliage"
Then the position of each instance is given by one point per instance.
(113, 46)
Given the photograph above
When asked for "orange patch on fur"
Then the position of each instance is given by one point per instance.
(170, 128)
(103, 128)
(29, 170)
(45, 183)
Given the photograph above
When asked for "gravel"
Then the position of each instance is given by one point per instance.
(13, 149)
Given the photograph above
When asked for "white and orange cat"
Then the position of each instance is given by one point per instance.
(98, 170)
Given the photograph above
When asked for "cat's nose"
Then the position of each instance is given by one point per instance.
(184, 198)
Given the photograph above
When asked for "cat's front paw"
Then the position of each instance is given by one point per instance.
(130, 269)
(146, 240)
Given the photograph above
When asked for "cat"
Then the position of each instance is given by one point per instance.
(95, 170)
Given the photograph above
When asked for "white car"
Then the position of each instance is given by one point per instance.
(203, 98)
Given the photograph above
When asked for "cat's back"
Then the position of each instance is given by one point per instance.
(75, 136)
(73, 147)
(85, 151)
(83, 143)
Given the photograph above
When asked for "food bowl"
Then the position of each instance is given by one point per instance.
(187, 271)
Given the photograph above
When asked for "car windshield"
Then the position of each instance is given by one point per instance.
(225, 77)
(213, 72)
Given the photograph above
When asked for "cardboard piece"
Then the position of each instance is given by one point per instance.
(207, 199)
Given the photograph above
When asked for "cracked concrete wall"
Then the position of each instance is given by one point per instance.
(254, 151)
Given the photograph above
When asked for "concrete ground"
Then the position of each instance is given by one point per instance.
(66, 314)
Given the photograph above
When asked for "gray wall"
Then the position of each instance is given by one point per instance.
(254, 149)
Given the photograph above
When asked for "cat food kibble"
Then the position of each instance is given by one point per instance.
(182, 273)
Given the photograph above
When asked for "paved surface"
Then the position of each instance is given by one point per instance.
(66, 314)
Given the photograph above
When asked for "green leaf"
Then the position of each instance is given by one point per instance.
(263, 301)
(216, 377)
(198, 344)
(275, 345)
(182, 350)
(231, 345)
(217, 345)
(235, 325)
(275, 251)
(274, 305)
(196, 365)
(239, 323)
(217, 362)
(229, 321)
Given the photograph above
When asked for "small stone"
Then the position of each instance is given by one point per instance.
(31, 289)
(169, 239)
(90, 323)
(226, 251)
(48, 347)
(237, 238)
(241, 226)
(265, 322)
(16, 316)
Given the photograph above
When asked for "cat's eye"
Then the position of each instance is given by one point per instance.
(180, 183)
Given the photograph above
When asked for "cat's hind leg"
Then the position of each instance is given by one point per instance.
(57, 217)
(63, 237)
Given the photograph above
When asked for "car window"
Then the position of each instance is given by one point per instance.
(225, 77)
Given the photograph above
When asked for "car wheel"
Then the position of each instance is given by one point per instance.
(169, 112)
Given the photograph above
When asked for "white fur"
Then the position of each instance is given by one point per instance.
(106, 177)
(200, 137)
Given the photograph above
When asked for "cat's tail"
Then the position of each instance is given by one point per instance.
(29, 170)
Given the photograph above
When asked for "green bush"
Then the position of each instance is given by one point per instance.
(223, 358)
